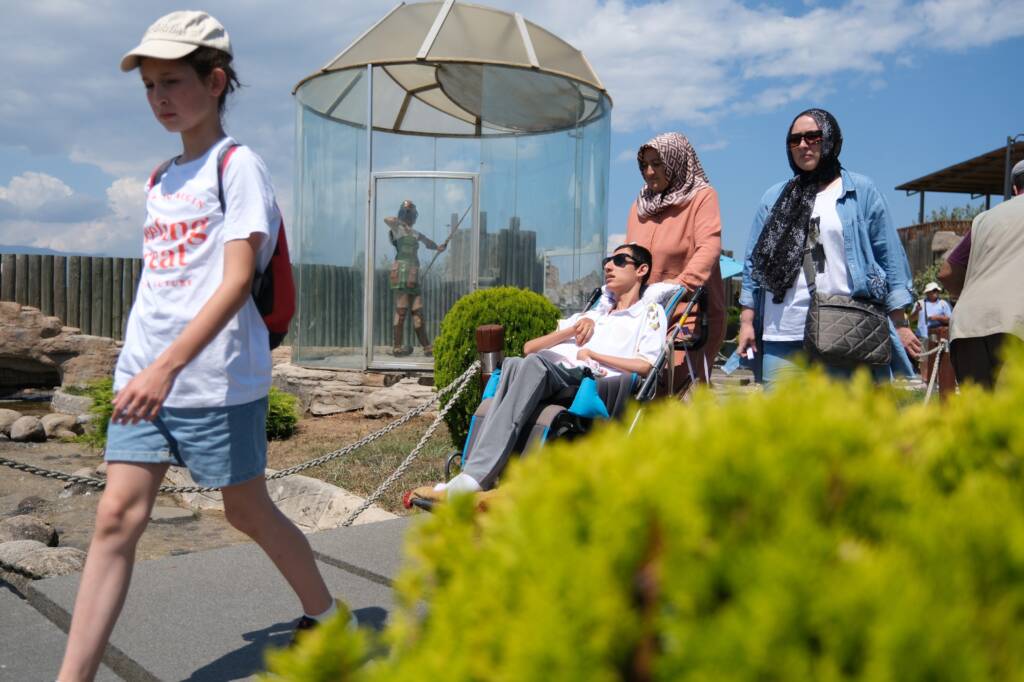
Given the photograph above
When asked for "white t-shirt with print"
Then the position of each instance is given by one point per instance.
(785, 321)
(183, 264)
(637, 332)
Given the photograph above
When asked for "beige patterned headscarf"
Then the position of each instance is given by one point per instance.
(685, 175)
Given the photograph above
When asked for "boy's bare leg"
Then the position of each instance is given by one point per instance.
(248, 508)
(121, 516)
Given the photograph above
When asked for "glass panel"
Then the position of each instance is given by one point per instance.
(423, 236)
(329, 231)
(543, 203)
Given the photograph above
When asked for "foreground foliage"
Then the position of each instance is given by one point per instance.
(823, 532)
(524, 315)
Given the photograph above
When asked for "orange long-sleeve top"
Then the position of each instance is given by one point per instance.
(685, 244)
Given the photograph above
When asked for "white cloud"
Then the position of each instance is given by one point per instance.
(40, 210)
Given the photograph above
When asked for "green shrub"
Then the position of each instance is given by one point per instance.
(820, 532)
(102, 393)
(282, 415)
(524, 315)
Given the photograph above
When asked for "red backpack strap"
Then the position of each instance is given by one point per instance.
(158, 172)
(223, 156)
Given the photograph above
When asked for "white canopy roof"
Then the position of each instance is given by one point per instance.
(450, 68)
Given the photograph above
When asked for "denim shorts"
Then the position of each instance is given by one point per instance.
(221, 446)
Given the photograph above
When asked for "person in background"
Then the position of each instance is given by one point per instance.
(842, 218)
(676, 218)
(985, 271)
(932, 312)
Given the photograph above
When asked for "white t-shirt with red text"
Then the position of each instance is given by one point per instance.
(183, 264)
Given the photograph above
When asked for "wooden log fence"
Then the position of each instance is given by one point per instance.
(92, 293)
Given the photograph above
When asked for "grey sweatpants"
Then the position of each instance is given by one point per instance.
(525, 382)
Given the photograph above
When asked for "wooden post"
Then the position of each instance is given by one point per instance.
(7, 277)
(46, 285)
(127, 294)
(85, 297)
(490, 344)
(35, 263)
(21, 279)
(107, 299)
(116, 301)
(60, 288)
(74, 292)
(96, 313)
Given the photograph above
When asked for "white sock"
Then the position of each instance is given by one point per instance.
(326, 615)
(463, 483)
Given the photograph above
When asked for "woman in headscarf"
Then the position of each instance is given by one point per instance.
(843, 220)
(676, 218)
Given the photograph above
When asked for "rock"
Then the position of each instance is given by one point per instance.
(64, 434)
(39, 346)
(315, 505)
(50, 562)
(398, 399)
(30, 504)
(101, 470)
(7, 418)
(333, 399)
(68, 403)
(71, 489)
(12, 553)
(4, 437)
(172, 515)
(28, 429)
(310, 503)
(56, 421)
(329, 391)
(27, 527)
(179, 476)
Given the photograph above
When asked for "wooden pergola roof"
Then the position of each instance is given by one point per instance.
(982, 175)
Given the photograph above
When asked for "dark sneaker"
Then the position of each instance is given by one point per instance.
(305, 623)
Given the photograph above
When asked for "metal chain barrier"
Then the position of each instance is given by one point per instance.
(462, 381)
(458, 386)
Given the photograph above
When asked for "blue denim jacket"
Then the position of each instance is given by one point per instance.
(875, 259)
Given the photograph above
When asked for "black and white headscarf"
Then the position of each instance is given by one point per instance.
(778, 255)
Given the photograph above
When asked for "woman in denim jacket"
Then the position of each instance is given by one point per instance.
(844, 219)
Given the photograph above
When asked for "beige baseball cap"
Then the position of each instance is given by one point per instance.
(932, 286)
(177, 34)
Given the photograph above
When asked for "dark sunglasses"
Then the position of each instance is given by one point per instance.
(812, 137)
(620, 260)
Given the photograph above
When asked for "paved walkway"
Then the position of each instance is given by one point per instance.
(201, 617)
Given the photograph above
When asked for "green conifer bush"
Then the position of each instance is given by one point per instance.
(524, 315)
(282, 414)
(823, 531)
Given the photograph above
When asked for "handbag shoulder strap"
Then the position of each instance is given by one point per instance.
(809, 272)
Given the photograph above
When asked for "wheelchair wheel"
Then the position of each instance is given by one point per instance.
(449, 464)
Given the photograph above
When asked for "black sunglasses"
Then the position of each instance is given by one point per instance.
(812, 137)
(620, 260)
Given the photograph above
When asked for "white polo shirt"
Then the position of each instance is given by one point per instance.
(635, 333)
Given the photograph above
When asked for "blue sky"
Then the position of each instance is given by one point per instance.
(916, 86)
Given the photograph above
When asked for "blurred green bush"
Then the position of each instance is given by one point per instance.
(523, 313)
(821, 532)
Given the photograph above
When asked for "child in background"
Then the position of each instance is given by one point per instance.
(193, 377)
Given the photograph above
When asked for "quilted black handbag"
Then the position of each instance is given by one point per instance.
(845, 331)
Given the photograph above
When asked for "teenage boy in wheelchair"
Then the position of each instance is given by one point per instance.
(625, 338)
